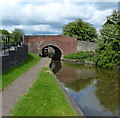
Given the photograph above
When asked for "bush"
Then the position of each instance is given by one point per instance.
(108, 59)
(109, 43)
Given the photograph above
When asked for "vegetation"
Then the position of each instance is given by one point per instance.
(81, 30)
(82, 56)
(44, 98)
(16, 38)
(4, 32)
(12, 74)
(114, 18)
(11, 39)
(108, 53)
(109, 42)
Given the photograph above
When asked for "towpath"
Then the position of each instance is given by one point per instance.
(20, 86)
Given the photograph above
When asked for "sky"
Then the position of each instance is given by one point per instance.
(47, 17)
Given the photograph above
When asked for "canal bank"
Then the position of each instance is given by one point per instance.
(69, 98)
(93, 89)
(44, 98)
(24, 96)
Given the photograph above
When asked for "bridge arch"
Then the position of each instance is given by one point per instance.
(58, 53)
(63, 44)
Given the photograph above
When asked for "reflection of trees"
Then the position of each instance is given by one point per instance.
(74, 65)
(79, 84)
(84, 76)
(107, 89)
(106, 84)
(79, 66)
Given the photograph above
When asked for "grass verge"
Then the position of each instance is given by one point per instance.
(45, 98)
(12, 74)
(82, 56)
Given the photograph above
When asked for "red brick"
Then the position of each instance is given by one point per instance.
(65, 43)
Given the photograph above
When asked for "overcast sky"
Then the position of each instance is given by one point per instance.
(47, 17)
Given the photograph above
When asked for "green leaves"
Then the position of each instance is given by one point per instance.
(15, 38)
(108, 58)
(4, 32)
(109, 43)
(81, 30)
(114, 18)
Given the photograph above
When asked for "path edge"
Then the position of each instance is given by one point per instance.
(68, 97)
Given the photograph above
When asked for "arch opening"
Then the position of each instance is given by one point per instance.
(52, 52)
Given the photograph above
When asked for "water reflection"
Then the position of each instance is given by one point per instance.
(77, 79)
(95, 90)
(56, 66)
(107, 89)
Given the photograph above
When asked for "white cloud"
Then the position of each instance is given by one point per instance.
(35, 29)
(98, 17)
(50, 16)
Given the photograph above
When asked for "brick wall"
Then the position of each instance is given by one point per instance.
(65, 43)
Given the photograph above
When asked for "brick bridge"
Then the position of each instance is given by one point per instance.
(62, 45)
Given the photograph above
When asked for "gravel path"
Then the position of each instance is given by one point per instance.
(20, 86)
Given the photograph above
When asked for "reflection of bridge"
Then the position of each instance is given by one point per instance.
(62, 45)
(56, 66)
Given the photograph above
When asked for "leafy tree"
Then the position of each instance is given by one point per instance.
(109, 42)
(3, 35)
(17, 36)
(114, 18)
(4, 32)
(81, 30)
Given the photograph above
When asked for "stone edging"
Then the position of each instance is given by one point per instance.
(68, 97)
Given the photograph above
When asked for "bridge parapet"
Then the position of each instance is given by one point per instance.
(66, 44)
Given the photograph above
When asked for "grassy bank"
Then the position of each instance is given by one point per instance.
(45, 98)
(105, 59)
(82, 56)
(12, 74)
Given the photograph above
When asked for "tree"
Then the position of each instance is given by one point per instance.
(109, 42)
(114, 18)
(4, 32)
(17, 36)
(81, 30)
(4, 36)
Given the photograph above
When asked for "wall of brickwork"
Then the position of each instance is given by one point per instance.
(66, 44)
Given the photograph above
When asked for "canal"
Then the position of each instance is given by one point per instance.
(93, 89)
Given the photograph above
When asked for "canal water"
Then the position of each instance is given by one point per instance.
(93, 89)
